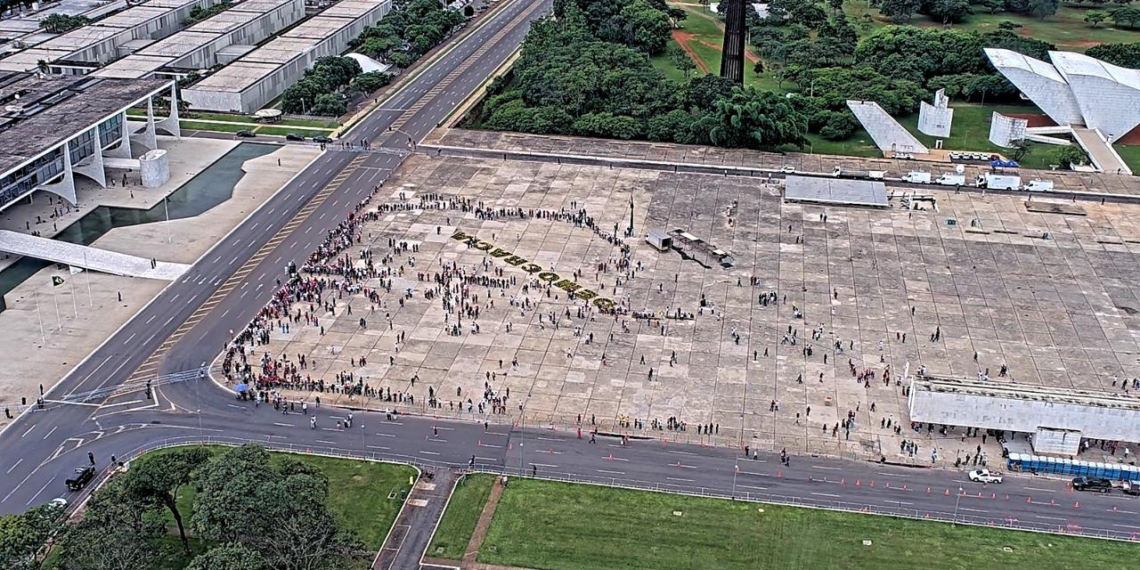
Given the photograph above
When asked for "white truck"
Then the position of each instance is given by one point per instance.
(917, 177)
(841, 172)
(999, 181)
(950, 179)
(1039, 185)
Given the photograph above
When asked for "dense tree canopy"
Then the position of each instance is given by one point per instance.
(23, 535)
(1124, 55)
(318, 92)
(408, 32)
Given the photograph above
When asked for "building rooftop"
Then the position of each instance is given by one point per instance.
(1011, 391)
(178, 44)
(318, 27)
(132, 17)
(235, 77)
(350, 9)
(1012, 59)
(224, 22)
(133, 66)
(83, 37)
(1069, 63)
(281, 50)
(55, 108)
(257, 6)
(29, 59)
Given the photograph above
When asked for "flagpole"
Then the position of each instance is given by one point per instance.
(36, 297)
(90, 301)
(55, 299)
(74, 304)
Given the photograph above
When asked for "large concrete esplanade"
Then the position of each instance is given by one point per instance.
(53, 128)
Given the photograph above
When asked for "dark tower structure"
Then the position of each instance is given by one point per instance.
(732, 53)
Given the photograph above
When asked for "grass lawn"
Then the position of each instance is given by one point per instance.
(216, 127)
(458, 523)
(358, 493)
(1066, 29)
(282, 131)
(558, 526)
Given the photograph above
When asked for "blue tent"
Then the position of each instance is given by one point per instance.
(1004, 163)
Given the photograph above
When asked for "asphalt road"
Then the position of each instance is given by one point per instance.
(225, 288)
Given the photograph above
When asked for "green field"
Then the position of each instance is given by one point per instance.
(1066, 29)
(463, 510)
(216, 127)
(702, 23)
(358, 493)
(558, 526)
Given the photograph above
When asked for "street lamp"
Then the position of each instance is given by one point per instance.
(957, 500)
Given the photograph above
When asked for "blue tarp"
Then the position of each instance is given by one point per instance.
(1004, 163)
(241, 387)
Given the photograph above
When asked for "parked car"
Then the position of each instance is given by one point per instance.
(1087, 484)
(955, 156)
(322, 140)
(83, 476)
(788, 169)
(1131, 488)
(294, 137)
(245, 134)
(58, 502)
(985, 476)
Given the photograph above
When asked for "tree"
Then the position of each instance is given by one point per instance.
(681, 60)
(1095, 17)
(115, 533)
(1128, 16)
(948, 11)
(61, 23)
(280, 513)
(1124, 55)
(23, 535)
(158, 478)
(228, 557)
(994, 6)
(836, 6)
(839, 126)
(1021, 148)
(899, 10)
(1069, 155)
(370, 82)
(755, 119)
(1044, 8)
(645, 27)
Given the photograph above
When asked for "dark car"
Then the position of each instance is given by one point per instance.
(1131, 488)
(322, 140)
(83, 476)
(245, 134)
(294, 137)
(1086, 484)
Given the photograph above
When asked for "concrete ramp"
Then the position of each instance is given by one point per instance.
(1103, 156)
(91, 258)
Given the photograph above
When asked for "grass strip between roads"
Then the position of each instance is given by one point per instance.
(559, 526)
(458, 523)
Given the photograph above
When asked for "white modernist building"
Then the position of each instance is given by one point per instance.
(935, 119)
(1057, 418)
(53, 128)
(1083, 95)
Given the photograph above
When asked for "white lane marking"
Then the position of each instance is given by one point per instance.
(428, 452)
(753, 487)
(679, 479)
(129, 339)
(326, 442)
(379, 447)
(611, 472)
(829, 495)
(13, 467)
(283, 425)
(544, 465)
(50, 432)
(1126, 526)
(825, 468)
(968, 509)
(29, 430)
(1040, 489)
(40, 491)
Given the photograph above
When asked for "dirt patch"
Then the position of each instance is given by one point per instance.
(1133, 137)
(683, 38)
(1033, 119)
(751, 57)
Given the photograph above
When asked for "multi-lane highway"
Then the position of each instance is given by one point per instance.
(185, 326)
